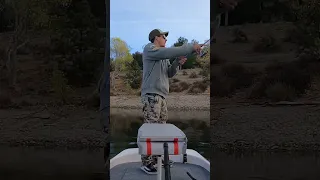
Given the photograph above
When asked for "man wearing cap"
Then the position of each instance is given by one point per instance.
(157, 70)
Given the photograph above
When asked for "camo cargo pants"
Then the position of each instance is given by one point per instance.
(154, 111)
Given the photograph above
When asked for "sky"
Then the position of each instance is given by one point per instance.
(132, 20)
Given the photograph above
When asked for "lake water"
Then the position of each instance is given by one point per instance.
(195, 124)
(125, 125)
(265, 166)
(30, 163)
(18, 163)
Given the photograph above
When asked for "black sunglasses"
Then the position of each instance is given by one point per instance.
(163, 36)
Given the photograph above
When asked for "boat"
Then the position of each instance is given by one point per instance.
(167, 142)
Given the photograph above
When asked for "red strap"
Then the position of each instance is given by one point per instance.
(176, 146)
(148, 146)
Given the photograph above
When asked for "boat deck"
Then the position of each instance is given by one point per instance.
(132, 171)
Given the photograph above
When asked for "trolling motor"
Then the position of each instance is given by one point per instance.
(155, 139)
(167, 173)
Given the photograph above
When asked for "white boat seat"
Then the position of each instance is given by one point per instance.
(151, 138)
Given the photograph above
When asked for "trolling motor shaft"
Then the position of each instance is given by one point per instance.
(167, 173)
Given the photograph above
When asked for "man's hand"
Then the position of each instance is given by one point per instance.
(228, 4)
(197, 48)
(182, 60)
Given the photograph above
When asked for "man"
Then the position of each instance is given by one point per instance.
(157, 70)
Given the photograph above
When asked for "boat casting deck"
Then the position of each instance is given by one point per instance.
(132, 171)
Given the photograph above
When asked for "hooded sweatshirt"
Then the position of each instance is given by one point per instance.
(157, 68)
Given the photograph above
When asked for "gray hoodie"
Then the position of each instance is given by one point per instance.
(157, 68)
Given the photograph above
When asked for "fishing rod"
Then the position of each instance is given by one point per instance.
(210, 40)
(201, 45)
(217, 10)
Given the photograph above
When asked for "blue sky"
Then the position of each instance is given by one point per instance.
(132, 20)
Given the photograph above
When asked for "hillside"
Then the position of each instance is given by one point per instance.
(35, 71)
(33, 107)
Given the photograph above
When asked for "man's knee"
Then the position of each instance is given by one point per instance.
(151, 109)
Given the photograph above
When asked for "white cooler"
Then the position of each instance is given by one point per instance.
(151, 138)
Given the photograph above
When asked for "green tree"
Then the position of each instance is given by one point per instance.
(28, 15)
(193, 41)
(62, 91)
(180, 41)
(120, 52)
(191, 62)
(99, 11)
(79, 40)
(137, 56)
(204, 61)
(307, 13)
(111, 65)
(6, 17)
(133, 75)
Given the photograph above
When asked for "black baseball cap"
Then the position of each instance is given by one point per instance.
(157, 32)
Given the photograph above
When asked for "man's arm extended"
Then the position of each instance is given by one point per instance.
(160, 53)
(172, 69)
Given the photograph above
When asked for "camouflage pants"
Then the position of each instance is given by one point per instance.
(154, 111)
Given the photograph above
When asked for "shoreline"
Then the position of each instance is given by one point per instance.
(67, 127)
(173, 114)
(256, 128)
(174, 102)
(235, 128)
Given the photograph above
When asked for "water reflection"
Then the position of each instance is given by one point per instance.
(265, 166)
(225, 166)
(39, 163)
(124, 131)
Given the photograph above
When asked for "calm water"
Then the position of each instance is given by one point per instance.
(30, 163)
(257, 166)
(17, 163)
(124, 133)
(265, 166)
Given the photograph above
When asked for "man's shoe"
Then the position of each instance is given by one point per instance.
(149, 169)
